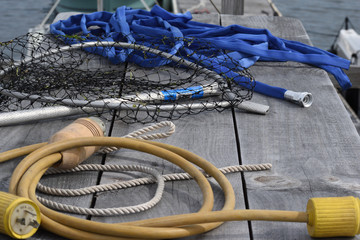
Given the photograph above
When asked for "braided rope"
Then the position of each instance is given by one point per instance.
(96, 188)
(129, 183)
(139, 134)
(142, 131)
(107, 211)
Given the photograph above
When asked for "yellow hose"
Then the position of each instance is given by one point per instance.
(28, 173)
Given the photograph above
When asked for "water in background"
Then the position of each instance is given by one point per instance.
(322, 19)
(16, 17)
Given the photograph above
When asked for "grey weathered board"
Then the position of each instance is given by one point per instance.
(217, 146)
(211, 136)
(234, 7)
(253, 7)
(313, 151)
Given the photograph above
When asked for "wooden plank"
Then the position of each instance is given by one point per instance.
(313, 151)
(212, 18)
(253, 7)
(234, 7)
(354, 75)
(217, 146)
(202, 7)
(284, 27)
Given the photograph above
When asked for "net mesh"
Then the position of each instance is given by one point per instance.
(150, 80)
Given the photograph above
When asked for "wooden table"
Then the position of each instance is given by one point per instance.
(314, 151)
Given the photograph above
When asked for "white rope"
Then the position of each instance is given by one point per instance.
(129, 183)
(139, 134)
(106, 211)
(122, 185)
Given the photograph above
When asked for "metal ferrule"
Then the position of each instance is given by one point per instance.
(303, 99)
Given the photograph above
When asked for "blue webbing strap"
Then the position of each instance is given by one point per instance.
(246, 45)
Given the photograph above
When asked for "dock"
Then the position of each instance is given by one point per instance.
(313, 151)
(256, 7)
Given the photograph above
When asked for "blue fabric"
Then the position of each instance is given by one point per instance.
(245, 45)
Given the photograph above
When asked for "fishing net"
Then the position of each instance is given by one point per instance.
(144, 81)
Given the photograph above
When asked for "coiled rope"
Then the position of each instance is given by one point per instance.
(160, 179)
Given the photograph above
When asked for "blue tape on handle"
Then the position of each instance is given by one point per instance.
(191, 92)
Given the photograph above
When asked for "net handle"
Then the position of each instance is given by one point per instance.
(25, 116)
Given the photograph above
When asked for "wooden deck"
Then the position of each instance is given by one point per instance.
(314, 151)
(253, 7)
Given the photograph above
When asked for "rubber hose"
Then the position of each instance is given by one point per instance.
(30, 170)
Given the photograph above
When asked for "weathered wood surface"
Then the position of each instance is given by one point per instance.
(354, 75)
(234, 7)
(202, 7)
(217, 146)
(313, 151)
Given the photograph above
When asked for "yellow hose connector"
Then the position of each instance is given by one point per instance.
(333, 217)
(20, 217)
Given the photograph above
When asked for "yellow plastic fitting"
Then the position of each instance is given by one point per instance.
(333, 217)
(20, 217)
(82, 127)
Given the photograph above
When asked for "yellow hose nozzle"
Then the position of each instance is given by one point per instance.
(20, 217)
(333, 217)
